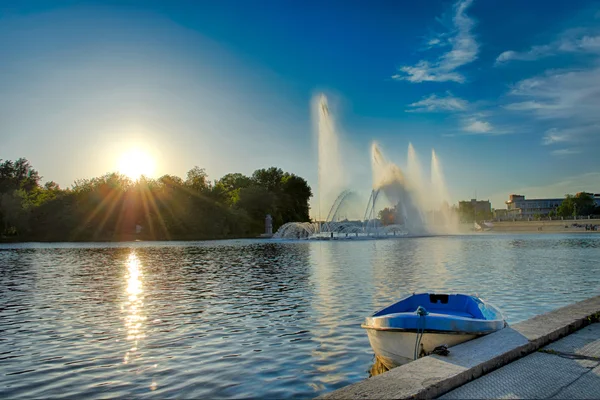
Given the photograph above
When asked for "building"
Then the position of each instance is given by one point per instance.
(517, 207)
(479, 208)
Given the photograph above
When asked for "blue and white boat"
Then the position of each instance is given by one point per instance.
(417, 324)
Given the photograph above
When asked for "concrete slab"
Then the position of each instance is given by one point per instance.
(585, 342)
(551, 326)
(555, 371)
(586, 387)
(537, 376)
(433, 376)
(400, 383)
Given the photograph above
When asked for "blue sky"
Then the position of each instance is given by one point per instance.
(507, 92)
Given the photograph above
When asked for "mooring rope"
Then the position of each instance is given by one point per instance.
(421, 312)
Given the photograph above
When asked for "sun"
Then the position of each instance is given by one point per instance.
(135, 163)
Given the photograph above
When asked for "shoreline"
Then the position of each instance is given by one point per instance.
(501, 227)
(554, 226)
(127, 239)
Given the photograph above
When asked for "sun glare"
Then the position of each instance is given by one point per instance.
(135, 163)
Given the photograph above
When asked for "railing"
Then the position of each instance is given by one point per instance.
(545, 218)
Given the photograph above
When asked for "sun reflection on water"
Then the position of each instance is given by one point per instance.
(133, 307)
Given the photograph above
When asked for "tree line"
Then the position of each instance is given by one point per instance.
(114, 207)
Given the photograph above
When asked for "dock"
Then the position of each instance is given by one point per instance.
(566, 369)
(553, 355)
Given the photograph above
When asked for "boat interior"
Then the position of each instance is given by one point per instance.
(459, 305)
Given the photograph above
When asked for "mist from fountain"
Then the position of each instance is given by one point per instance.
(421, 205)
(331, 179)
(398, 190)
(449, 219)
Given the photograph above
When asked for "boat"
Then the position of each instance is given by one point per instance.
(418, 324)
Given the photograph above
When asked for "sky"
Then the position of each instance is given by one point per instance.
(507, 92)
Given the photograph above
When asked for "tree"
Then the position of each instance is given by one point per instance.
(231, 182)
(197, 179)
(15, 209)
(229, 186)
(18, 175)
(257, 202)
(111, 206)
(466, 211)
(580, 204)
(19, 185)
(585, 203)
(567, 207)
(294, 198)
(387, 216)
(269, 179)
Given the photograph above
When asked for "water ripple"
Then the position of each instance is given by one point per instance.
(248, 318)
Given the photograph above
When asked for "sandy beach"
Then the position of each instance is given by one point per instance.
(565, 226)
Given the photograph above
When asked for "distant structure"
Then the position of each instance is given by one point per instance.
(268, 225)
(517, 207)
(476, 206)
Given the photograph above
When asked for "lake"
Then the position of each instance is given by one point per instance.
(248, 318)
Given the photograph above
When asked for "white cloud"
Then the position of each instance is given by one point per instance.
(463, 50)
(561, 94)
(534, 53)
(528, 105)
(434, 42)
(435, 103)
(572, 135)
(555, 136)
(565, 152)
(568, 101)
(477, 126)
(570, 41)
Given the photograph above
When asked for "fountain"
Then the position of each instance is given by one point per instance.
(419, 206)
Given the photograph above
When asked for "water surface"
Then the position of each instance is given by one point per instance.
(248, 318)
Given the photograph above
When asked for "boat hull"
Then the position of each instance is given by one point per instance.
(395, 348)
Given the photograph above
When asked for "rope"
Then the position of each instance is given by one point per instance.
(421, 312)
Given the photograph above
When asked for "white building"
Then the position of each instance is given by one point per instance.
(519, 207)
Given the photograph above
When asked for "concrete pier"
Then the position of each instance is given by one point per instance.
(566, 369)
(434, 376)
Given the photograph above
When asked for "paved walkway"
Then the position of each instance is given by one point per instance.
(566, 369)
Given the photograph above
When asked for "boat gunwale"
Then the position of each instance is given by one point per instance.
(367, 324)
(408, 330)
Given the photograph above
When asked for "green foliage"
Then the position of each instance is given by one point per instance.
(270, 179)
(467, 212)
(112, 207)
(197, 179)
(17, 175)
(15, 208)
(580, 204)
(229, 186)
(388, 216)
